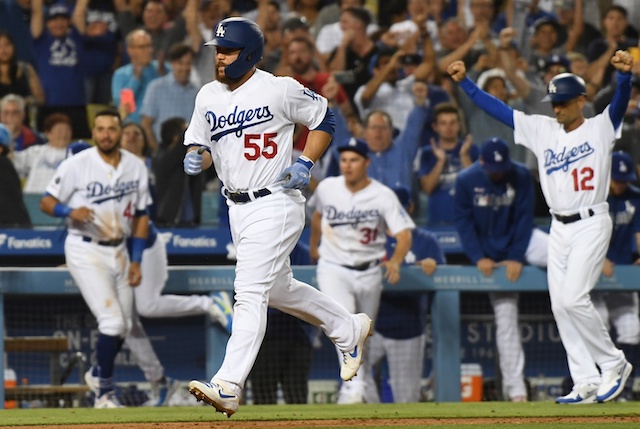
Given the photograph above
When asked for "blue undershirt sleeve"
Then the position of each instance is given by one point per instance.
(494, 107)
(620, 101)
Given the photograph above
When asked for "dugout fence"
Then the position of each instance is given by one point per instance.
(46, 302)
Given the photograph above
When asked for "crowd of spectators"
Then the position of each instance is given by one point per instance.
(381, 64)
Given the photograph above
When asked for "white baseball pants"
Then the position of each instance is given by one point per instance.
(621, 310)
(149, 300)
(576, 255)
(265, 231)
(405, 360)
(358, 292)
(101, 273)
(505, 310)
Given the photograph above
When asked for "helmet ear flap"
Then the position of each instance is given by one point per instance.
(240, 33)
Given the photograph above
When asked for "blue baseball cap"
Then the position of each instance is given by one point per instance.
(77, 146)
(5, 136)
(403, 194)
(557, 59)
(57, 10)
(622, 169)
(355, 145)
(495, 156)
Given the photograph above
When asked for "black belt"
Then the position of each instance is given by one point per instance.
(362, 267)
(111, 243)
(571, 218)
(244, 197)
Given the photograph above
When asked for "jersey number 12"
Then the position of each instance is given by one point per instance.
(582, 180)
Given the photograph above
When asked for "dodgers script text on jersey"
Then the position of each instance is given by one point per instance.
(249, 130)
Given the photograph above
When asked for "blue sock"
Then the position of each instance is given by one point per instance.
(107, 347)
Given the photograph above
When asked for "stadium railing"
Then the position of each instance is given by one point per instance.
(447, 284)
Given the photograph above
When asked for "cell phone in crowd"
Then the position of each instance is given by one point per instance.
(345, 77)
(126, 97)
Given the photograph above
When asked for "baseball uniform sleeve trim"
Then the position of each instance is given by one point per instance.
(620, 99)
(328, 124)
(494, 107)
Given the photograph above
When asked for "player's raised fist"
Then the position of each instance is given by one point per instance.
(622, 60)
(457, 71)
(193, 162)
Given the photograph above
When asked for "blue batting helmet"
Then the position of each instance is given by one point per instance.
(239, 33)
(564, 87)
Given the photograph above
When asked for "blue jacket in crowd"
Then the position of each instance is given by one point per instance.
(494, 220)
(625, 212)
(403, 315)
(393, 166)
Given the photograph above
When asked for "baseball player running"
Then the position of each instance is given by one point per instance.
(574, 160)
(243, 124)
(621, 308)
(353, 213)
(399, 332)
(148, 302)
(493, 213)
(103, 194)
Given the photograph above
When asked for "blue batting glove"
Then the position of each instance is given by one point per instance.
(193, 162)
(297, 176)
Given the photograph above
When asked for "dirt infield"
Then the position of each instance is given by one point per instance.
(276, 424)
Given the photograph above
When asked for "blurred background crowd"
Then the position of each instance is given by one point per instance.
(375, 60)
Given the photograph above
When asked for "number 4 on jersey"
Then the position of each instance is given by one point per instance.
(127, 211)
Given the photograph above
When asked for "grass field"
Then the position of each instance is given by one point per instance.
(449, 415)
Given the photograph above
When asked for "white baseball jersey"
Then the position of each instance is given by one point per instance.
(354, 225)
(575, 167)
(115, 195)
(250, 130)
(38, 164)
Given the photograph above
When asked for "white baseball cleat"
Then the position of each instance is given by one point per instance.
(352, 393)
(217, 393)
(108, 400)
(613, 382)
(580, 394)
(161, 392)
(352, 359)
(92, 381)
(221, 310)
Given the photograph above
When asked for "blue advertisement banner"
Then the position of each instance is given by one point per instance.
(180, 241)
(50, 242)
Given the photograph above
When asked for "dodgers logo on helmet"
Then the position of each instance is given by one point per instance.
(239, 33)
(564, 87)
